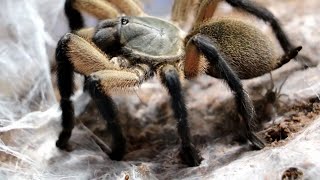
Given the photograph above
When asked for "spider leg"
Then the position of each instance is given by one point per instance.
(109, 111)
(122, 79)
(181, 10)
(206, 11)
(194, 64)
(83, 56)
(73, 53)
(100, 9)
(74, 17)
(292, 53)
(243, 102)
(65, 80)
(85, 33)
(99, 84)
(128, 7)
(170, 79)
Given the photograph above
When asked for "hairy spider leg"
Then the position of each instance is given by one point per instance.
(122, 79)
(74, 17)
(109, 112)
(206, 11)
(244, 104)
(73, 53)
(128, 7)
(170, 79)
(181, 9)
(100, 9)
(99, 83)
(65, 78)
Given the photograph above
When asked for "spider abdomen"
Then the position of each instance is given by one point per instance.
(247, 50)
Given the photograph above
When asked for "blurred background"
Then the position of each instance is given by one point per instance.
(30, 115)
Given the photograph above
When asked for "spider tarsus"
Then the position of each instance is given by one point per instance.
(64, 146)
(62, 143)
(257, 143)
(190, 155)
(294, 52)
(118, 149)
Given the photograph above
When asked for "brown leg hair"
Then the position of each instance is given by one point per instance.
(206, 11)
(98, 8)
(85, 33)
(122, 79)
(181, 10)
(128, 7)
(101, 9)
(85, 57)
(194, 65)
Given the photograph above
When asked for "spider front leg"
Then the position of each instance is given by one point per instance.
(170, 79)
(75, 54)
(243, 102)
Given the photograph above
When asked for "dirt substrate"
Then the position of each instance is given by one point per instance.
(294, 121)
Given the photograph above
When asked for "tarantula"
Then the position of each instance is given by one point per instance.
(144, 46)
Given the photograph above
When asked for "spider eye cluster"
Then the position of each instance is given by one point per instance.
(124, 21)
